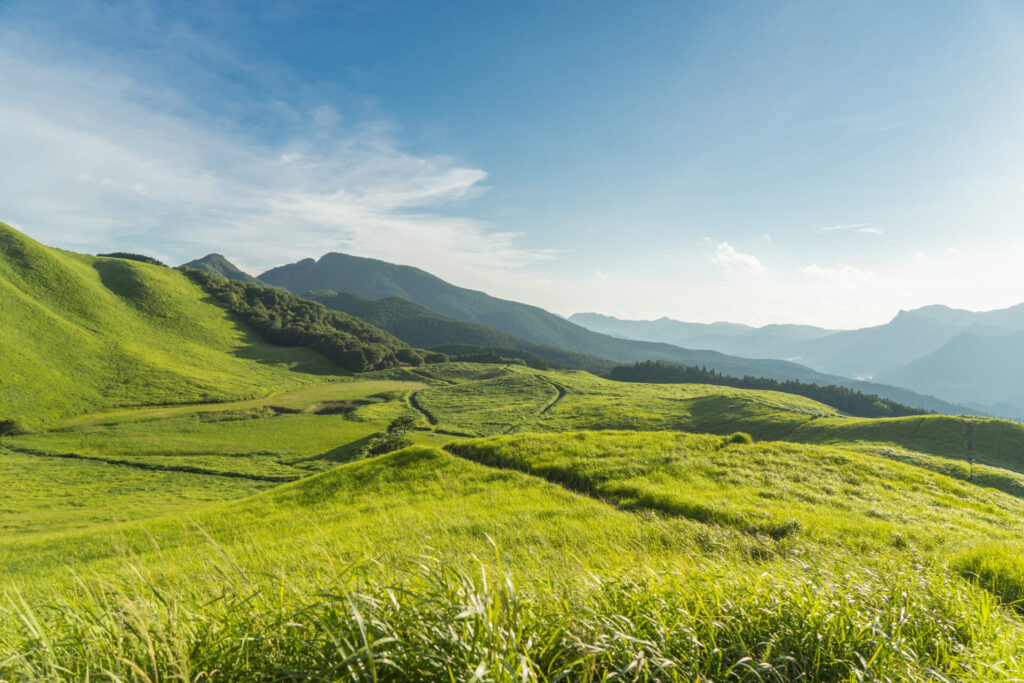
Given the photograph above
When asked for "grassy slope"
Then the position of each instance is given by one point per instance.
(88, 332)
(280, 438)
(471, 403)
(288, 436)
(260, 587)
(828, 495)
(475, 403)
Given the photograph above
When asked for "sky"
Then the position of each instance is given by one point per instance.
(826, 163)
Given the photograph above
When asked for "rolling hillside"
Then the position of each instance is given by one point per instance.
(374, 279)
(569, 553)
(82, 333)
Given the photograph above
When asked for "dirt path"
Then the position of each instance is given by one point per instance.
(562, 392)
(414, 403)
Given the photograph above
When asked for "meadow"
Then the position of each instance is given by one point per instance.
(255, 540)
(184, 502)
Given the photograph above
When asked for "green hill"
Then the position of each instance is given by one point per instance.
(576, 555)
(195, 503)
(215, 264)
(422, 327)
(245, 537)
(82, 333)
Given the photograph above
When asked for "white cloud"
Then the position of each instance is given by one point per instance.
(98, 160)
(600, 274)
(862, 228)
(726, 256)
(766, 238)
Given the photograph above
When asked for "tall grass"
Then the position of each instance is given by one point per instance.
(438, 622)
(996, 567)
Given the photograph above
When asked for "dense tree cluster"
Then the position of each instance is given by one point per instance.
(284, 319)
(134, 257)
(847, 400)
(471, 353)
(421, 327)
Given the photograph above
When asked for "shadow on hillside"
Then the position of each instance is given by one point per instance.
(120, 277)
(345, 453)
(257, 349)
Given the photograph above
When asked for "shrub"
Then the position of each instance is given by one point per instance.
(402, 424)
(284, 319)
(9, 428)
(387, 443)
(142, 258)
(740, 438)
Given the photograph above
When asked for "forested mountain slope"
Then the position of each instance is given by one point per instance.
(374, 279)
(422, 327)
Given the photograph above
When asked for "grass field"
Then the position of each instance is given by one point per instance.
(186, 503)
(419, 562)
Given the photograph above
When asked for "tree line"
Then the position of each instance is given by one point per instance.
(284, 319)
(841, 398)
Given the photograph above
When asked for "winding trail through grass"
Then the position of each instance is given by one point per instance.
(415, 404)
(562, 392)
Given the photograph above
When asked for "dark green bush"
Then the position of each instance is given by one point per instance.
(402, 424)
(9, 428)
(387, 443)
(134, 257)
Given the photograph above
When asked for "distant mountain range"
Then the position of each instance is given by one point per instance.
(420, 308)
(956, 355)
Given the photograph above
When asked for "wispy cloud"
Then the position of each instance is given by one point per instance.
(98, 159)
(726, 256)
(863, 228)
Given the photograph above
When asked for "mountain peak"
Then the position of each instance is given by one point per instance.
(217, 264)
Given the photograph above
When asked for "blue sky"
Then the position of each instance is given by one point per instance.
(814, 162)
